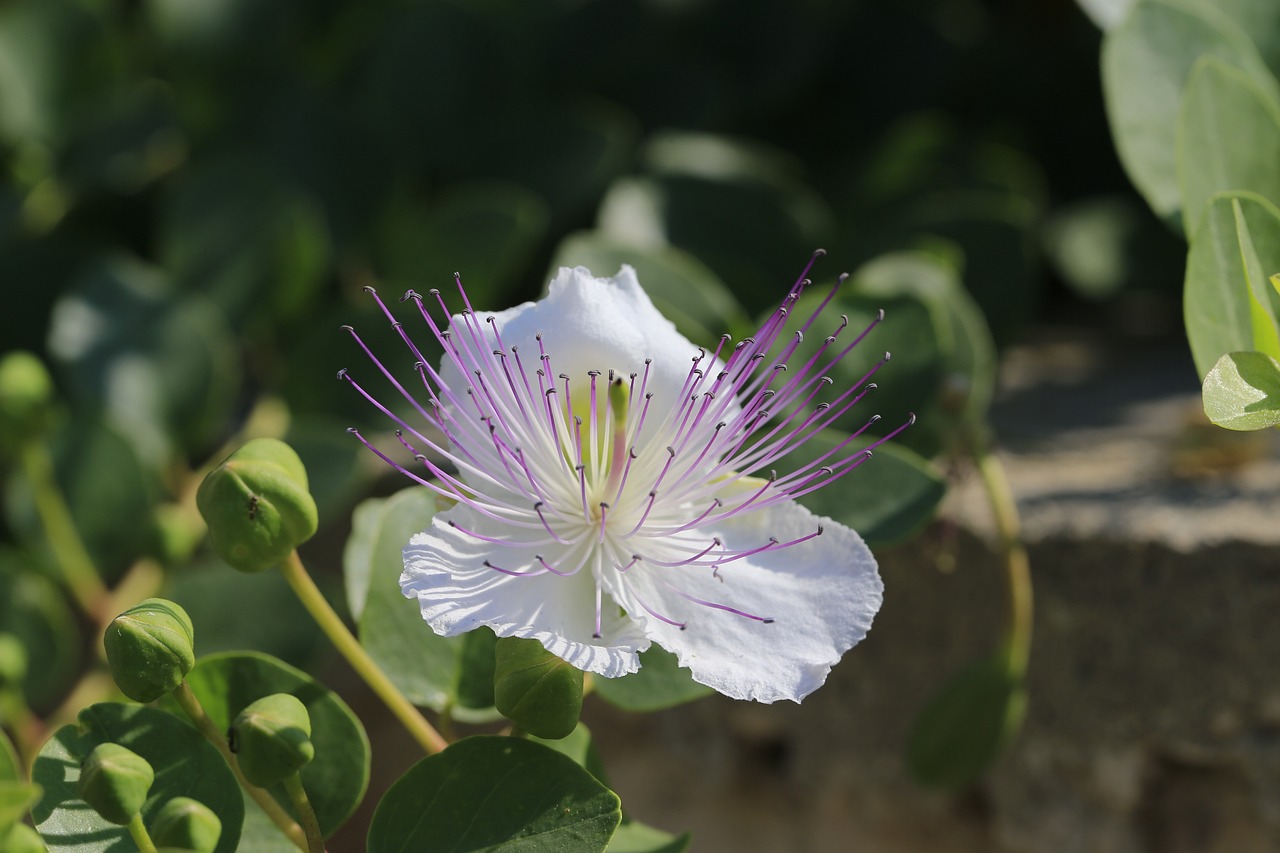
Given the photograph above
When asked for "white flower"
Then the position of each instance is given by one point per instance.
(616, 486)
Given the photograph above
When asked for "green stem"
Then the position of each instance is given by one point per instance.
(140, 835)
(81, 578)
(1014, 553)
(191, 705)
(334, 628)
(302, 805)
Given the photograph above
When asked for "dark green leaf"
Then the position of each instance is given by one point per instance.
(890, 497)
(1242, 391)
(185, 764)
(967, 725)
(1228, 138)
(495, 793)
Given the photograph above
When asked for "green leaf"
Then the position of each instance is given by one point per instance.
(536, 690)
(185, 765)
(681, 287)
(579, 746)
(34, 610)
(967, 725)
(1228, 138)
(659, 683)
(1242, 391)
(16, 799)
(496, 793)
(336, 780)
(1262, 314)
(1219, 295)
(1145, 63)
(430, 670)
(633, 837)
(892, 495)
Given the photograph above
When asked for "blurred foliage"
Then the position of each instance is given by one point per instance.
(193, 194)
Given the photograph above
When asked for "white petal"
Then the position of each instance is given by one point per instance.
(590, 323)
(444, 570)
(822, 595)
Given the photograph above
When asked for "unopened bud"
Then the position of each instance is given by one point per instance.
(13, 662)
(272, 739)
(150, 648)
(186, 824)
(26, 397)
(257, 505)
(115, 781)
(535, 689)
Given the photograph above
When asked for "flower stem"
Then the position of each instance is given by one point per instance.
(332, 625)
(78, 573)
(302, 805)
(1014, 552)
(140, 835)
(191, 705)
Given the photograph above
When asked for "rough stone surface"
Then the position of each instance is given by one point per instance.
(1154, 716)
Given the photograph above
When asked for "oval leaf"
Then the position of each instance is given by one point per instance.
(1242, 391)
(1228, 138)
(967, 724)
(438, 672)
(491, 793)
(185, 764)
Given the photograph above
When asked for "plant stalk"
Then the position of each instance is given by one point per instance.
(342, 638)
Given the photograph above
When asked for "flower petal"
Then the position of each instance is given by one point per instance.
(444, 570)
(821, 595)
(587, 326)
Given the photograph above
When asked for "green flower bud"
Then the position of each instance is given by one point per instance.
(26, 397)
(272, 739)
(115, 781)
(535, 689)
(186, 824)
(13, 662)
(257, 505)
(150, 648)
(22, 839)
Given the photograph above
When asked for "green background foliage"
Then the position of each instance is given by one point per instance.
(193, 196)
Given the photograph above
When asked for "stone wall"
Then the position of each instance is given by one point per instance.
(1154, 715)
